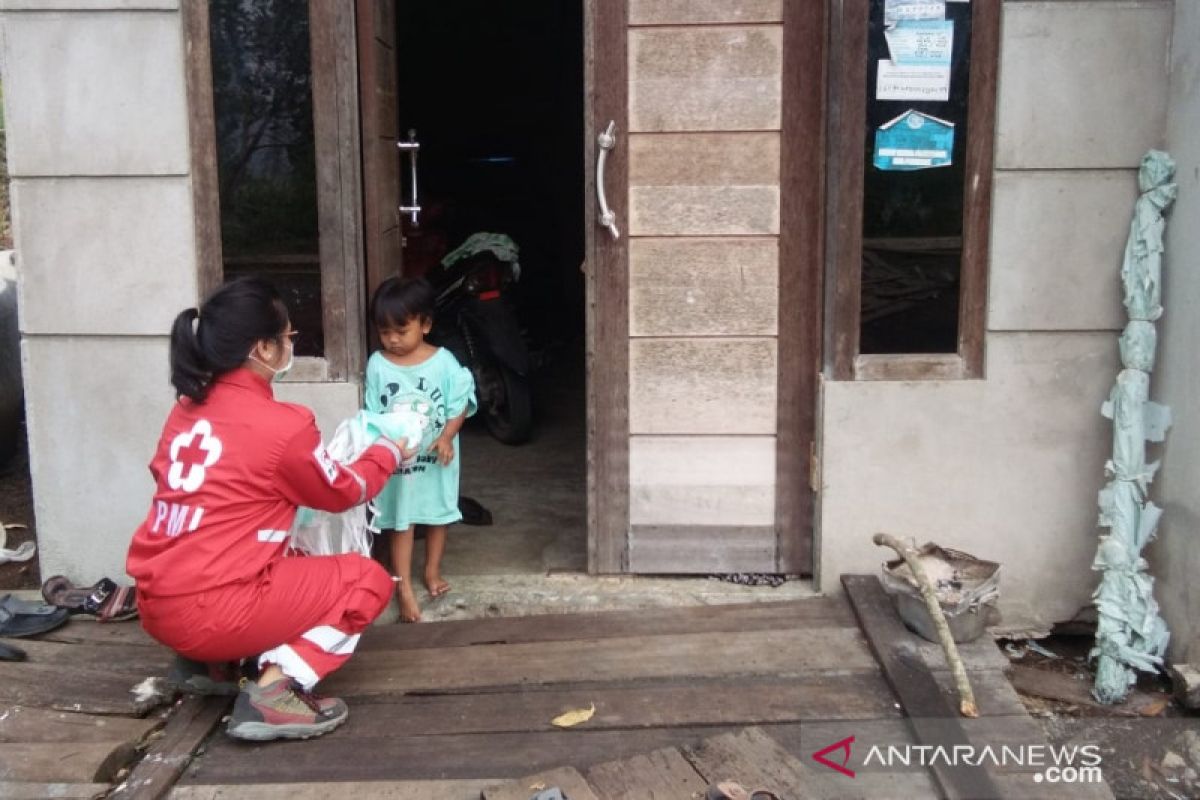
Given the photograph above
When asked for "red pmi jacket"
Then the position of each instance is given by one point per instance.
(230, 473)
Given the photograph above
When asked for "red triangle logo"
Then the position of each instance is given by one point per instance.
(843, 745)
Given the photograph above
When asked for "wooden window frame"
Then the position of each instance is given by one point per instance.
(339, 179)
(844, 229)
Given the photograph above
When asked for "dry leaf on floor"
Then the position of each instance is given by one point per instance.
(537, 787)
(1154, 709)
(573, 718)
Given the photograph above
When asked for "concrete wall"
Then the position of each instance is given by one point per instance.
(1175, 559)
(104, 227)
(1008, 467)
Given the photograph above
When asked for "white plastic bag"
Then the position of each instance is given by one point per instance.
(324, 533)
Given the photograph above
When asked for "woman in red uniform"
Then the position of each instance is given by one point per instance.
(231, 467)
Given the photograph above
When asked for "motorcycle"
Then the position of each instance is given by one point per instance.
(475, 320)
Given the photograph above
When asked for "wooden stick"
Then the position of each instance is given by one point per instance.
(966, 696)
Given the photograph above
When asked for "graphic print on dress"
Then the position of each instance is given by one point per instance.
(425, 399)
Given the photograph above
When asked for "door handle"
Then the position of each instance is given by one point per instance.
(410, 148)
(606, 140)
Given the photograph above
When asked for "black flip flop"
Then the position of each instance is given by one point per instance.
(21, 618)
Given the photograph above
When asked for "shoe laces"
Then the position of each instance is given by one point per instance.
(309, 699)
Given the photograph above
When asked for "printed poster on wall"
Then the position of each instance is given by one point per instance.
(914, 141)
(919, 68)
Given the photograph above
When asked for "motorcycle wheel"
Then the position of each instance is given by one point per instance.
(506, 403)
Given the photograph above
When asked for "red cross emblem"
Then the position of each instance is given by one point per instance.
(192, 453)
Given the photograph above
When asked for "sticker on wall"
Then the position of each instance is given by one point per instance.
(914, 141)
(897, 10)
(921, 43)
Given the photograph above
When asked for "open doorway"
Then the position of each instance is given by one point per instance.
(494, 93)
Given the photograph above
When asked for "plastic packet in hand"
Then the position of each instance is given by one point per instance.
(322, 533)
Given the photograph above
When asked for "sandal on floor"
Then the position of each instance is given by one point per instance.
(729, 790)
(106, 601)
(22, 618)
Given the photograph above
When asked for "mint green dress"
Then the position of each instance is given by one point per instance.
(424, 492)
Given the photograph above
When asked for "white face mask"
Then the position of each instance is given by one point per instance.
(278, 373)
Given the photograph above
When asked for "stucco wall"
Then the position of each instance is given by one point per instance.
(1008, 467)
(1175, 558)
(104, 233)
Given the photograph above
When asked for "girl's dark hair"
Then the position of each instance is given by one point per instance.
(238, 314)
(398, 299)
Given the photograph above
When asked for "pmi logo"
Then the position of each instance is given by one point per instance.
(822, 756)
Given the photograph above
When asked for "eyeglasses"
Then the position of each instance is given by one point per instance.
(291, 335)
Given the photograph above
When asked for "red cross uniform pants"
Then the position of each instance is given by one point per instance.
(302, 614)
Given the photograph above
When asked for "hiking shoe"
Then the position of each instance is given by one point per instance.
(283, 710)
(195, 677)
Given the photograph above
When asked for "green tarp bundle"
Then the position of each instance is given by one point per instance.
(1130, 633)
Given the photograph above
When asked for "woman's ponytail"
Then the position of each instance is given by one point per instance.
(189, 373)
(218, 338)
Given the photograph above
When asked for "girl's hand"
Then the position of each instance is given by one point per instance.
(444, 448)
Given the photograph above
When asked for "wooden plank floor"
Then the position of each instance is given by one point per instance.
(447, 709)
(68, 725)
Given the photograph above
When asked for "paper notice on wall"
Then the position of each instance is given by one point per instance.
(912, 83)
(921, 43)
(897, 10)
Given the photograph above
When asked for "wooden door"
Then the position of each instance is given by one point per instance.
(378, 78)
(706, 311)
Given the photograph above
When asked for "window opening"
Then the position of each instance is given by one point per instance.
(266, 155)
(914, 167)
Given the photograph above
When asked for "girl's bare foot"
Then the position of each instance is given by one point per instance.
(409, 610)
(435, 584)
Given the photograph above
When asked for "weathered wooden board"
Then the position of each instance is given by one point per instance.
(702, 480)
(632, 658)
(660, 774)
(28, 725)
(705, 78)
(499, 755)
(469, 789)
(934, 719)
(703, 210)
(704, 184)
(701, 549)
(702, 386)
(192, 721)
(703, 12)
(566, 779)
(81, 630)
(132, 661)
(65, 762)
(623, 705)
(819, 612)
(704, 159)
(29, 790)
(725, 286)
(755, 760)
(82, 689)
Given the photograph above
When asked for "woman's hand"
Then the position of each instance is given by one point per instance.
(444, 448)
(406, 455)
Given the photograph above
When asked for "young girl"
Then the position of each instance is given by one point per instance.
(410, 371)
